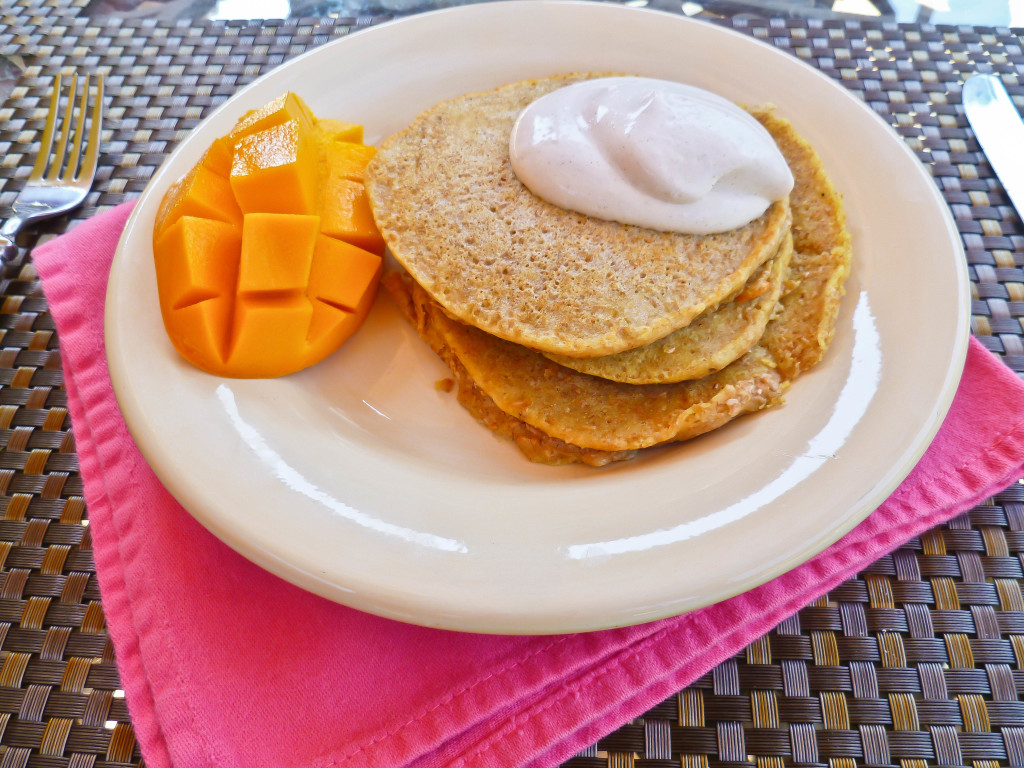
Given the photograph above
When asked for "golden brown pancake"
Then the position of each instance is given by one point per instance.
(585, 411)
(708, 344)
(558, 415)
(501, 259)
(806, 315)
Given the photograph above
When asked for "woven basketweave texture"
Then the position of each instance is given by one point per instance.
(917, 661)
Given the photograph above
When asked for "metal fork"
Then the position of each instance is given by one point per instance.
(59, 181)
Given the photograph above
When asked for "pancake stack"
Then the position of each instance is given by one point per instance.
(586, 340)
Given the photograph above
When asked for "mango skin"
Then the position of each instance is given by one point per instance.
(267, 259)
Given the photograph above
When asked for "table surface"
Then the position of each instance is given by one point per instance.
(987, 12)
(917, 661)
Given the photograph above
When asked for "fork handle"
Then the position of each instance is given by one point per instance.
(8, 231)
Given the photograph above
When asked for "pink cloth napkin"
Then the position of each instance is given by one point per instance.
(225, 665)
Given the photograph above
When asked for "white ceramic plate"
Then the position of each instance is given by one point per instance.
(360, 481)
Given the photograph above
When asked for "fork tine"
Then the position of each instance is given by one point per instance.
(76, 145)
(46, 142)
(65, 130)
(92, 149)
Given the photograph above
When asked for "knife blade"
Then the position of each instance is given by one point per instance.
(1000, 131)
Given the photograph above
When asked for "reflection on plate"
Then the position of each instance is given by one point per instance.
(360, 481)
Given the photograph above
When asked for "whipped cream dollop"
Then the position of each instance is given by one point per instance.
(648, 152)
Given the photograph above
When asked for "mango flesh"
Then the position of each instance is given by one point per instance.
(219, 156)
(345, 214)
(276, 170)
(266, 255)
(339, 130)
(338, 271)
(201, 193)
(285, 107)
(347, 159)
(277, 252)
(197, 259)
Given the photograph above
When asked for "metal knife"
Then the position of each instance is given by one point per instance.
(1000, 131)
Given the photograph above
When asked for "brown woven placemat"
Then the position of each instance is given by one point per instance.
(918, 661)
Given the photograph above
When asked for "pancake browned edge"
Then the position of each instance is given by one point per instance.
(708, 344)
(557, 415)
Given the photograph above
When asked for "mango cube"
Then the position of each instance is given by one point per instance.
(286, 107)
(339, 130)
(330, 325)
(201, 332)
(345, 214)
(341, 272)
(276, 171)
(201, 193)
(277, 252)
(348, 160)
(219, 156)
(268, 331)
(343, 284)
(197, 259)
